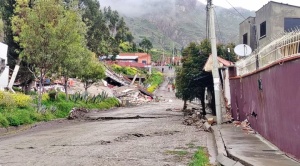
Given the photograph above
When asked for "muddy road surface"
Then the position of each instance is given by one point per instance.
(145, 135)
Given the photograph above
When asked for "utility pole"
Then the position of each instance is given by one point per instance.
(215, 70)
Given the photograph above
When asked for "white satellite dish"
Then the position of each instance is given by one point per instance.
(242, 50)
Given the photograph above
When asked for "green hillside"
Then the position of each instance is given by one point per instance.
(178, 21)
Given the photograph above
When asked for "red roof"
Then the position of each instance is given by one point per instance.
(134, 54)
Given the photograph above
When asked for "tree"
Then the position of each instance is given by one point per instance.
(48, 34)
(146, 45)
(191, 80)
(187, 78)
(7, 11)
(98, 33)
(1, 29)
(92, 72)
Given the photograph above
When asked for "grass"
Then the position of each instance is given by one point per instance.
(16, 113)
(200, 158)
(177, 152)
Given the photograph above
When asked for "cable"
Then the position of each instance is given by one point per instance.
(221, 37)
(236, 9)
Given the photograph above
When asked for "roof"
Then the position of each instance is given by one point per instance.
(209, 63)
(134, 54)
(126, 57)
(279, 3)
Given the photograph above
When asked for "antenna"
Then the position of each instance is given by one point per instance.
(242, 50)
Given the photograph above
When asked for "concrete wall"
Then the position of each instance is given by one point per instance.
(248, 26)
(3, 74)
(273, 13)
(276, 105)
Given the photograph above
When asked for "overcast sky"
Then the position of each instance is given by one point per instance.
(249, 4)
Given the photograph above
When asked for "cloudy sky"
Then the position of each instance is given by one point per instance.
(249, 4)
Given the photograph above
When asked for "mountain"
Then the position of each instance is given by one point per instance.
(178, 21)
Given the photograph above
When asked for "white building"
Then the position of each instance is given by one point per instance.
(4, 69)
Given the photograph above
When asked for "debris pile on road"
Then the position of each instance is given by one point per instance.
(245, 125)
(131, 95)
(192, 118)
(77, 113)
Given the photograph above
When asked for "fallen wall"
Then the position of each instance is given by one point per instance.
(270, 100)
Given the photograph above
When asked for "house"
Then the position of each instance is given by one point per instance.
(272, 19)
(144, 58)
(223, 66)
(4, 69)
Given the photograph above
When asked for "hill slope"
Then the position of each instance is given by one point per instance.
(178, 21)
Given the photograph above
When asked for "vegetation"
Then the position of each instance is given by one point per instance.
(92, 72)
(177, 152)
(200, 158)
(19, 109)
(146, 45)
(154, 80)
(131, 71)
(191, 79)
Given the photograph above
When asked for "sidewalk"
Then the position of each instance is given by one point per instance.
(248, 149)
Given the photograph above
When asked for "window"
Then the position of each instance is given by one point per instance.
(263, 29)
(245, 38)
(291, 24)
(144, 62)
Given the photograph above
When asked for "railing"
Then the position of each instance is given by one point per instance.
(283, 47)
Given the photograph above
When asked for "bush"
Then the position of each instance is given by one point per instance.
(45, 97)
(151, 88)
(61, 96)
(6, 100)
(52, 95)
(3, 121)
(21, 100)
(13, 120)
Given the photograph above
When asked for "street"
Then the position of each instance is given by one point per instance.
(135, 136)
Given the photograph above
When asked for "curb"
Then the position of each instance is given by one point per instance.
(222, 158)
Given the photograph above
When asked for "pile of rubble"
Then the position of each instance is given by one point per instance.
(192, 117)
(131, 95)
(77, 113)
(245, 125)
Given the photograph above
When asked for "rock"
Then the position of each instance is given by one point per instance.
(207, 126)
(168, 109)
(210, 121)
(77, 113)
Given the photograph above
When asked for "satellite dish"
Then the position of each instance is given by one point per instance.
(242, 50)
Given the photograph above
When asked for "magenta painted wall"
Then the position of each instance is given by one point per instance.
(277, 105)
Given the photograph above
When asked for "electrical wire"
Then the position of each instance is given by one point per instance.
(235, 9)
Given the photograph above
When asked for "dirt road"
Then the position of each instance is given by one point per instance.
(146, 135)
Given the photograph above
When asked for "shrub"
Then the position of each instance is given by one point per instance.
(152, 88)
(3, 121)
(48, 116)
(13, 120)
(45, 97)
(61, 96)
(6, 100)
(21, 100)
(52, 95)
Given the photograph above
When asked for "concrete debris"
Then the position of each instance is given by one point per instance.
(245, 125)
(207, 126)
(131, 95)
(194, 120)
(77, 113)
(210, 121)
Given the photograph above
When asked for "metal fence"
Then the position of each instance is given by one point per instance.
(286, 46)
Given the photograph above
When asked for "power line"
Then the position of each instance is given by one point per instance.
(235, 9)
